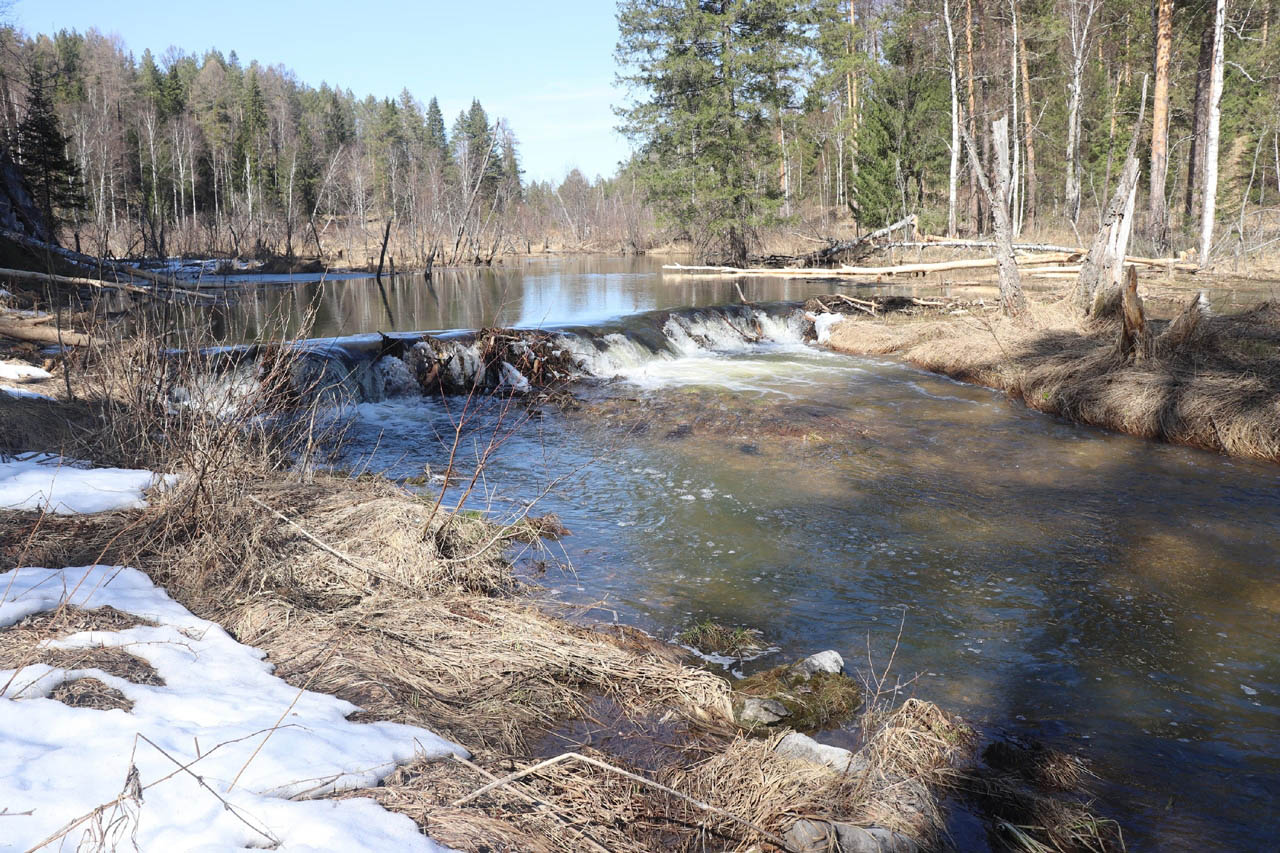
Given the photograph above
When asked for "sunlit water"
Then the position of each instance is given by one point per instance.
(1109, 595)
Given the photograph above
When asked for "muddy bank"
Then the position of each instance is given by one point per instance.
(1215, 388)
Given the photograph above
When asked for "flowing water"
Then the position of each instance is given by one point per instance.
(1107, 595)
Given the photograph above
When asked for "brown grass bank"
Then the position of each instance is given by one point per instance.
(1219, 389)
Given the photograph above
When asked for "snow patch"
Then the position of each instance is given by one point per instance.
(22, 372)
(46, 481)
(822, 324)
(218, 702)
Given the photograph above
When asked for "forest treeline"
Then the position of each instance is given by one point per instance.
(747, 116)
(207, 155)
(745, 112)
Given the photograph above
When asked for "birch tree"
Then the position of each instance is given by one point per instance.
(1080, 15)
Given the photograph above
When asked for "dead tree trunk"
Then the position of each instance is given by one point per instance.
(1100, 273)
(1012, 299)
(953, 171)
(1135, 335)
(1029, 196)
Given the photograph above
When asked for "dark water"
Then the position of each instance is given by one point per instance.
(1112, 596)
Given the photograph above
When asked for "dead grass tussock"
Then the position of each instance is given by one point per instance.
(90, 693)
(1218, 391)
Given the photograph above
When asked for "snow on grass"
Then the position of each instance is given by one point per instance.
(219, 703)
(46, 481)
(20, 371)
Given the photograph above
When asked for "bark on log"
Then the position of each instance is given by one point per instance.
(43, 334)
(860, 247)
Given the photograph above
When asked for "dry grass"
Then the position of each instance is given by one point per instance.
(1219, 391)
(711, 637)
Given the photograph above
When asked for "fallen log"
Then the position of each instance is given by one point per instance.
(42, 334)
(43, 277)
(83, 260)
(898, 269)
(861, 246)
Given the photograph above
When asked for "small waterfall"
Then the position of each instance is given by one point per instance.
(368, 368)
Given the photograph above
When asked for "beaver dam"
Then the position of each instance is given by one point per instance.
(1106, 598)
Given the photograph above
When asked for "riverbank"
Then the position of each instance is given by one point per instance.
(357, 588)
(1208, 381)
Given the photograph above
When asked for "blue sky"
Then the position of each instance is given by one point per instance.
(545, 67)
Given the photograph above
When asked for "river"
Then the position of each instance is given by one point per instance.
(1110, 596)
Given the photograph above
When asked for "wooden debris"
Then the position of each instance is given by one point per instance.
(1135, 334)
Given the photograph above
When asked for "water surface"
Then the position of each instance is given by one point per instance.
(1112, 596)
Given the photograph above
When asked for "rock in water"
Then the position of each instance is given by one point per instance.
(765, 711)
(828, 661)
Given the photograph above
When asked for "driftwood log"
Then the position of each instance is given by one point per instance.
(41, 333)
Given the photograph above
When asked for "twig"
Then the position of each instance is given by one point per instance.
(575, 756)
(529, 798)
(264, 833)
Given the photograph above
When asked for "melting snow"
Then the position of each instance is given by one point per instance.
(22, 372)
(218, 701)
(64, 486)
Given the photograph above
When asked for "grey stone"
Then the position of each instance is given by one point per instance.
(766, 711)
(828, 661)
(874, 839)
(811, 836)
(796, 745)
(821, 836)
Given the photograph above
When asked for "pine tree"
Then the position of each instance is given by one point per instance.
(52, 176)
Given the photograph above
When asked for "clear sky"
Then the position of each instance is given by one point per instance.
(545, 67)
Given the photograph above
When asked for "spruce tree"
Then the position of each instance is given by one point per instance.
(52, 176)
(713, 78)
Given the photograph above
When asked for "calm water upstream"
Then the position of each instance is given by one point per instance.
(1105, 594)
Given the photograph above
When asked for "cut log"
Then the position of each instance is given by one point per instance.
(88, 261)
(41, 334)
